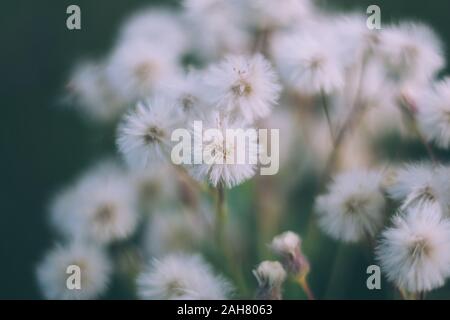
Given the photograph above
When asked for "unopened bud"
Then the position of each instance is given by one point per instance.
(270, 276)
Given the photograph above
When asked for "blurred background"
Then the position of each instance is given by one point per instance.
(44, 145)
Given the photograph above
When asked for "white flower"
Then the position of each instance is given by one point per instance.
(434, 114)
(100, 206)
(151, 24)
(270, 274)
(190, 93)
(414, 184)
(181, 277)
(222, 156)
(271, 14)
(89, 90)
(221, 26)
(137, 68)
(309, 63)
(54, 271)
(144, 136)
(415, 252)
(353, 208)
(354, 40)
(411, 51)
(246, 85)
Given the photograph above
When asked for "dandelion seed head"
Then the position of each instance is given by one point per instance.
(434, 114)
(411, 51)
(144, 135)
(416, 183)
(181, 277)
(95, 270)
(221, 165)
(137, 69)
(415, 251)
(100, 206)
(243, 85)
(353, 207)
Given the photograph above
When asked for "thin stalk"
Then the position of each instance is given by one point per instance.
(222, 243)
(221, 217)
(303, 282)
(408, 108)
(356, 113)
(326, 110)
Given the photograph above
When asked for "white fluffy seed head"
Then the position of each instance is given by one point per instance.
(434, 114)
(144, 135)
(90, 92)
(100, 206)
(149, 24)
(181, 277)
(55, 269)
(224, 22)
(353, 208)
(416, 183)
(411, 51)
(245, 86)
(138, 68)
(415, 252)
(308, 63)
(189, 91)
(273, 14)
(221, 164)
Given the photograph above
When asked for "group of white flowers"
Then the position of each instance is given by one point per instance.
(331, 86)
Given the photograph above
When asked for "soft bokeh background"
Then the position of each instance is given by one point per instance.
(42, 145)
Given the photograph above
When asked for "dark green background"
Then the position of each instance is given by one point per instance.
(42, 145)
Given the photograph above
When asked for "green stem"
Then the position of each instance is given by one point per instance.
(326, 110)
(221, 217)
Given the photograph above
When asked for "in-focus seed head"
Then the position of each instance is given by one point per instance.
(245, 86)
(218, 153)
(414, 252)
(144, 135)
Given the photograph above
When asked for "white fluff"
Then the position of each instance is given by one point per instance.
(220, 156)
(415, 252)
(353, 208)
(144, 135)
(434, 114)
(416, 183)
(91, 93)
(244, 85)
(181, 277)
(137, 68)
(411, 51)
(100, 206)
(309, 63)
(95, 270)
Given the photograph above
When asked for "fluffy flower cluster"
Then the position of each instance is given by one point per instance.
(256, 64)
